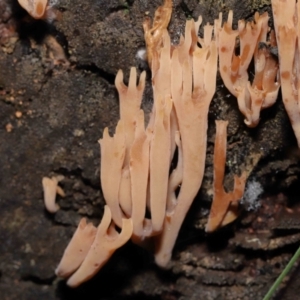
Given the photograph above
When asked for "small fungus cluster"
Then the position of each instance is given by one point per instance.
(147, 195)
(253, 43)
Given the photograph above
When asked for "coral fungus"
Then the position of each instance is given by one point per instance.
(262, 93)
(139, 158)
(153, 35)
(158, 168)
(219, 212)
(286, 22)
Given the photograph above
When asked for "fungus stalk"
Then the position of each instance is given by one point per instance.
(130, 98)
(219, 212)
(153, 34)
(51, 188)
(193, 83)
(93, 247)
(77, 249)
(112, 159)
(287, 27)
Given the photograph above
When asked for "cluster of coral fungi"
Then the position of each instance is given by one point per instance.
(138, 176)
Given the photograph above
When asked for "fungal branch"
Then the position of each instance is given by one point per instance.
(253, 43)
(93, 247)
(153, 34)
(193, 83)
(220, 213)
(286, 22)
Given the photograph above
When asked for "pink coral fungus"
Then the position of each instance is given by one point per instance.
(220, 214)
(252, 37)
(147, 196)
(286, 22)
